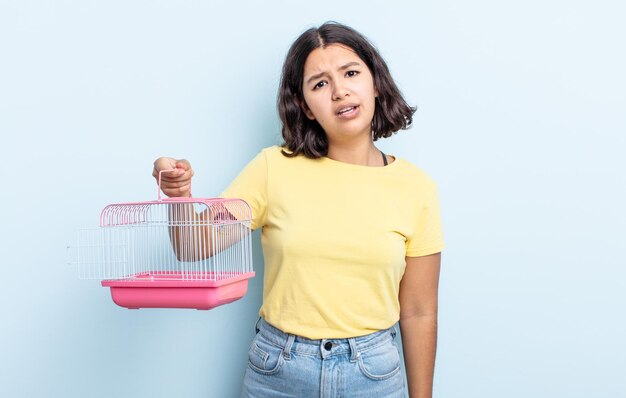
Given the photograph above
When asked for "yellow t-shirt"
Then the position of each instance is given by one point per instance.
(335, 236)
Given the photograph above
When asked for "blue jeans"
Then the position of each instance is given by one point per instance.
(282, 365)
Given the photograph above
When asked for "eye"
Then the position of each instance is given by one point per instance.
(352, 73)
(320, 84)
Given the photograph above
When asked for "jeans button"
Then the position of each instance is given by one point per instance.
(328, 346)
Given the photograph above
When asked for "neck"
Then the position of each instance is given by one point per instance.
(363, 153)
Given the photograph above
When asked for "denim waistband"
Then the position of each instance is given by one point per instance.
(324, 347)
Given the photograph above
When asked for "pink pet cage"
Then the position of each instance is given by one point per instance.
(170, 253)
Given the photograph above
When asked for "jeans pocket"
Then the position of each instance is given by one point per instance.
(380, 362)
(264, 357)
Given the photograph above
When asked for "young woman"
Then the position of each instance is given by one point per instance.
(351, 236)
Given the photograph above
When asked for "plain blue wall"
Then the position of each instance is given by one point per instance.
(521, 122)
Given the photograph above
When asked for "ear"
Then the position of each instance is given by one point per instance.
(306, 109)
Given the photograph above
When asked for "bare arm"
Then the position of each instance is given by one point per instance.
(418, 322)
(197, 236)
(190, 233)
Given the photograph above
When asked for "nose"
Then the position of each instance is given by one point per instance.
(340, 91)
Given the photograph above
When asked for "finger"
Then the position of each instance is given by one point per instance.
(185, 173)
(168, 175)
(176, 176)
(164, 172)
(186, 166)
(176, 192)
(183, 164)
(173, 173)
(174, 184)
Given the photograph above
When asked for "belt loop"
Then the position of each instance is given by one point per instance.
(256, 325)
(354, 352)
(288, 345)
(394, 331)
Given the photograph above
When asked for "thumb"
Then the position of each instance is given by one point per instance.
(183, 164)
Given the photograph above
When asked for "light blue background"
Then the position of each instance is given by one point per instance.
(521, 122)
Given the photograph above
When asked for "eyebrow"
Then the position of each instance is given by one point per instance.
(343, 67)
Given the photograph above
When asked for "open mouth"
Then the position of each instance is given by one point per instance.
(348, 110)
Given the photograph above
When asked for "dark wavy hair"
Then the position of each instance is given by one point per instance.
(305, 136)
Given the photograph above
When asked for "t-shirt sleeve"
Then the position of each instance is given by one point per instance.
(251, 186)
(428, 237)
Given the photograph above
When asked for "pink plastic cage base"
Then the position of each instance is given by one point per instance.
(175, 290)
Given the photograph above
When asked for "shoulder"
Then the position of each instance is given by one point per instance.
(276, 156)
(273, 152)
(414, 173)
(267, 156)
(273, 162)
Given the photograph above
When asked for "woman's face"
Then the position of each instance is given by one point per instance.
(339, 93)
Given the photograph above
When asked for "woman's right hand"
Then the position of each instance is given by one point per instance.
(175, 183)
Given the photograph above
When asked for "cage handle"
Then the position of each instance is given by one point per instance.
(159, 191)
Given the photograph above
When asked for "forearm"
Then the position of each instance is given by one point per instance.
(419, 343)
(190, 234)
(197, 236)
